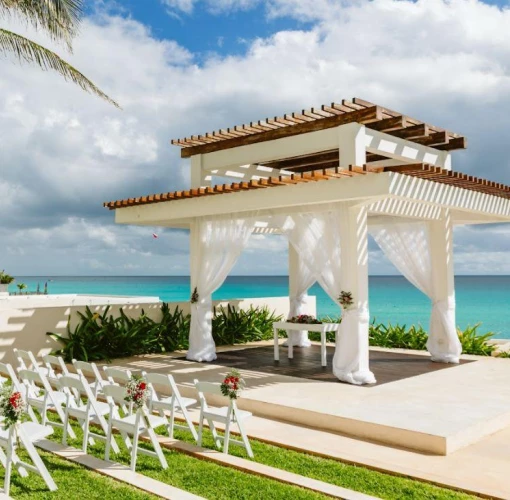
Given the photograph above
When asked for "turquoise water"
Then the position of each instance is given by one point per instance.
(484, 299)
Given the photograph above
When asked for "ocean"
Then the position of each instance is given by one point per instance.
(480, 299)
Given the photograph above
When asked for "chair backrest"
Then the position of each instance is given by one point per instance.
(85, 368)
(53, 362)
(7, 373)
(116, 375)
(30, 378)
(210, 388)
(161, 380)
(26, 359)
(115, 394)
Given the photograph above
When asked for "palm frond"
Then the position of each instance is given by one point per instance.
(59, 19)
(28, 51)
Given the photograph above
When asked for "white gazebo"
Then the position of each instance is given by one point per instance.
(326, 178)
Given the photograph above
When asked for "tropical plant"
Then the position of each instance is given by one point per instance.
(473, 343)
(60, 20)
(5, 279)
(21, 287)
(104, 337)
(238, 326)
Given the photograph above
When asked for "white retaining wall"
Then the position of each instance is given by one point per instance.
(24, 321)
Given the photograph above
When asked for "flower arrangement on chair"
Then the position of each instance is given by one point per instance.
(232, 384)
(12, 406)
(137, 391)
(305, 319)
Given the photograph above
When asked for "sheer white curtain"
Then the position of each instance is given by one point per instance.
(408, 247)
(304, 279)
(215, 247)
(317, 239)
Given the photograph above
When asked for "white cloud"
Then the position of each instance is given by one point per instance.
(64, 152)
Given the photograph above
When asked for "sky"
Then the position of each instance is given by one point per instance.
(181, 67)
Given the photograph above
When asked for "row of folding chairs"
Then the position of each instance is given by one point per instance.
(82, 395)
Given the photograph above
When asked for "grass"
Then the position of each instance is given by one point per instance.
(214, 482)
(334, 472)
(74, 481)
(197, 476)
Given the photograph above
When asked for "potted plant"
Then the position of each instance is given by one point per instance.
(5, 281)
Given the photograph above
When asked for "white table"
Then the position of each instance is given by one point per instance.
(321, 327)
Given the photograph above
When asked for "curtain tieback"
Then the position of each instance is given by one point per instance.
(448, 303)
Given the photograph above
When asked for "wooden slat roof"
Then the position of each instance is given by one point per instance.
(423, 171)
(358, 110)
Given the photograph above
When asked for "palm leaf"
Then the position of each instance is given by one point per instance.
(58, 18)
(28, 51)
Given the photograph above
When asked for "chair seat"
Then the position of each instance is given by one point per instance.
(128, 423)
(58, 396)
(166, 403)
(32, 430)
(35, 431)
(102, 408)
(221, 413)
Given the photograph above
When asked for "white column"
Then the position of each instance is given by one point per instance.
(199, 176)
(443, 343)
(298, 299)
(352, 146)
(351, 360)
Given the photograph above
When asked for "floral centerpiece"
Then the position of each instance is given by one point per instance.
(232, 384)
(305, 319)
(137, 391)
(12, 406)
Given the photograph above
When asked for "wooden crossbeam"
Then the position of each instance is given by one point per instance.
(362, 116)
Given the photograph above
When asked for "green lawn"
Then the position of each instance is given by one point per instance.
(73, 481)
(201, 477)
(214, 481)
(334, 472)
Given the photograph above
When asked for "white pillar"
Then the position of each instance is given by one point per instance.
(351, 360)
(351, 144)
(297, 298)
(199, 176)
(443, 343)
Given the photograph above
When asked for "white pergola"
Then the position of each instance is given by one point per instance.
(326, 178)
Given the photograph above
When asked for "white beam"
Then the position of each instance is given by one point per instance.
(270, 201)
(448, 196)
(404, 150)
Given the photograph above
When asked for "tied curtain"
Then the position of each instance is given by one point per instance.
(317, 239)
(408, 247)
(215, 247)
(304, 280)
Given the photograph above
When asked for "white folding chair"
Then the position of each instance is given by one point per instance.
(172, 403)
(226, 415)
(24, 435)
(39, 394)
(90, 410)
(116, 376)
(90, 371)
(27, 361)
(7, 374)
(56, 367)
(136, 425)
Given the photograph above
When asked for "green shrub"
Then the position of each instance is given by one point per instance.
(104, 337)
(237, 326)
(473, 343)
